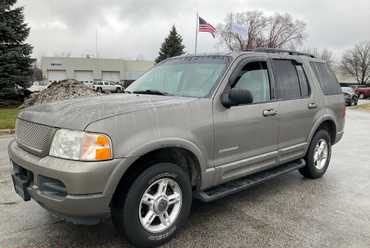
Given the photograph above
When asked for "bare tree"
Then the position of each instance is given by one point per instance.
(36, 73)
(277, 31)
(323, 54)
(253, 21)
(356, 62)
(283, 31)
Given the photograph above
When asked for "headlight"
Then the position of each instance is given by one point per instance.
(77, 145)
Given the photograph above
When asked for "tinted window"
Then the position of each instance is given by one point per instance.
(303, 82)
(328, 81)
(286, 78)
(255, 78)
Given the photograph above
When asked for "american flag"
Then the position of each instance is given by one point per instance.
(206, 27)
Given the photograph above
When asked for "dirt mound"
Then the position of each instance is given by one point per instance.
(58, 91)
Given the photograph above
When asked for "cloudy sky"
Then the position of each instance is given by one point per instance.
(136, 28)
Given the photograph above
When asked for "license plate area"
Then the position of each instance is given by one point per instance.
(22, 179)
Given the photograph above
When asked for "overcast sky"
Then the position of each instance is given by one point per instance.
(136, 28)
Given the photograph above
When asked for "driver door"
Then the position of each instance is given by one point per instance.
(246, 135)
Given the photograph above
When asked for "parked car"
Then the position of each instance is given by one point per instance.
(38, 86)
(88, 83)
(350, 97)
(104, 86)
(363, 92)
(193, 126)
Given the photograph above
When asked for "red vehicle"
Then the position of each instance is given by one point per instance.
(363, 92)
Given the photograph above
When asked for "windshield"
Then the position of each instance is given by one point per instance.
(184, 76)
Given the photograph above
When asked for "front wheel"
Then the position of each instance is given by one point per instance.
(318, 155)
(156, 205)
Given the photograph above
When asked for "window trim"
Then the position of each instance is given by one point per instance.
(278, 99)
(307, 80)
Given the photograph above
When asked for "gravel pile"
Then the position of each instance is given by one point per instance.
(58, 91)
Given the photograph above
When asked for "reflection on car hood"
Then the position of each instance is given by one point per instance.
(78, 113)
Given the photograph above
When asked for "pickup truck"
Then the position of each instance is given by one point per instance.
(363, 92)
(107, 86)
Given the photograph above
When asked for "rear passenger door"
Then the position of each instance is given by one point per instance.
(297, 108)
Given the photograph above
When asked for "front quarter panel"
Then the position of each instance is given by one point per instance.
(187, 125)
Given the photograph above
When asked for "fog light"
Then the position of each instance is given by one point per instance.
(52, 186)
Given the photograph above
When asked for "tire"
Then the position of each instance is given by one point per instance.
(354, 101)
(317, 169)
(99, 90)
(129, 217)
(118, 90)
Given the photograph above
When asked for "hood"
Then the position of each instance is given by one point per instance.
(78, 113)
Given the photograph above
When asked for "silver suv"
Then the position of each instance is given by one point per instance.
(192, 126)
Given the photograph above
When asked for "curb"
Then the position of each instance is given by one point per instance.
(7, 131)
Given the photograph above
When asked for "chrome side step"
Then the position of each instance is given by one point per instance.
(238, 185)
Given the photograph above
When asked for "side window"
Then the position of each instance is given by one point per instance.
(303, 82)
(286, 78)
(328, 82)
(255, 78)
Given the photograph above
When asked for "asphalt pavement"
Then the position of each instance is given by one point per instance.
(288, 211)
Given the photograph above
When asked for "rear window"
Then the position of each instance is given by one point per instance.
(328, 82)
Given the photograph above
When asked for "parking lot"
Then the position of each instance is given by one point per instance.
(288, 211)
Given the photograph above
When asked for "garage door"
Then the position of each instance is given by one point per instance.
(57, 75)
(110, 76)
(84, 76)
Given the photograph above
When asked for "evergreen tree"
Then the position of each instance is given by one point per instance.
(15, 54)
(172, 46)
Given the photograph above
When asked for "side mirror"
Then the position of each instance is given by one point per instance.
(234, 97)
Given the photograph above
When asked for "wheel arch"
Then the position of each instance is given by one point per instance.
(185, 157)
(326, 122)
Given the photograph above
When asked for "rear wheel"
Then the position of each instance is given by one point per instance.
(118, 90)
(156, 205)
(318, 155)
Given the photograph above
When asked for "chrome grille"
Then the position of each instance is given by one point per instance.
(33, 137)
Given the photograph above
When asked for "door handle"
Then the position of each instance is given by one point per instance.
(269, 112)
(312, 105)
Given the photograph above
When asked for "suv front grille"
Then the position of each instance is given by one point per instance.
(33, 137)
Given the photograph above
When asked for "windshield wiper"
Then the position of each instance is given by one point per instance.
(152, 92)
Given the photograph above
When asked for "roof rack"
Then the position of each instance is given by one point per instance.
(276, 50)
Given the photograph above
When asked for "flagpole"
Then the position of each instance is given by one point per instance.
(196, 34)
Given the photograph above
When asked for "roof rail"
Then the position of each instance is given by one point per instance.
(276, 50)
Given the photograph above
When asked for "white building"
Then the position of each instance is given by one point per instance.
(93, 69)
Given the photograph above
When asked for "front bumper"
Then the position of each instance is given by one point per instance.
(86, 183)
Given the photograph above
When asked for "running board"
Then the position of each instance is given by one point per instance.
(238, 185)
